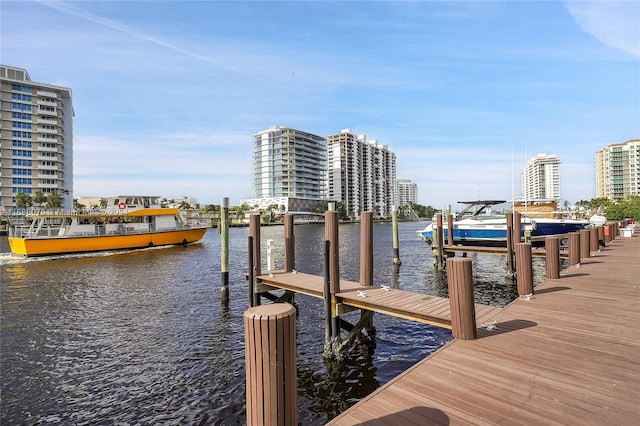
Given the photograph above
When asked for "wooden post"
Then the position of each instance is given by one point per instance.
(585, 244)
(440, 241)
(574, 248)
(593, 234)
(331, 235)
(366, 261)
(524, 269)
(252, 274)
(270, 356)
(601, 241)
(254, 231)
(327, 295)
(517, 228)
(289, 244)
(366, 248)
(224, 251)
(450, 229)
(396, 244)
(552, 248)
(461, 300)
(509, 237)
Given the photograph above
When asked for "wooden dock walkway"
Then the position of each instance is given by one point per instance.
(535, 252)
(568, 356)
(404, 304)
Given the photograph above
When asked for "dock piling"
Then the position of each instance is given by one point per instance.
(252, 275)
(366, 248)
(440, 242)
(396, 244)
(593, 233)
(517, 228)
(331, 221)
(585, 243)
(449, 229)
(461, 300)
(510, 245)
(552, 255)
(270, 356)
(289, 244)
(524, 269)
(574, 248)
(254, 231)
(224, 251)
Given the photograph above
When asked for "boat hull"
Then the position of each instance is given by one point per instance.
(43, 246)
(496, 234)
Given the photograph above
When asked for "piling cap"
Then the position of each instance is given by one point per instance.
(270, 311)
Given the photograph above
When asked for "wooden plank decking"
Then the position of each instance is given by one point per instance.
(568, 356)
(535, 252)
(404, 304)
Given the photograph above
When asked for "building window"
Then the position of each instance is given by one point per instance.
(21, 153)
(21, 144)
(21, 181)
(19, 134)
(20, 97)
(22, 172)
(20, 125)
(21, 88)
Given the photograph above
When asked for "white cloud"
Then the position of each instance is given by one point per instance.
(615, 23)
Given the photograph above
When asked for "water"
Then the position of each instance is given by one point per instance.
(142, 338)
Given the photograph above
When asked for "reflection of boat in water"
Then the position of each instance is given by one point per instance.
(128, 222)
(477, 224)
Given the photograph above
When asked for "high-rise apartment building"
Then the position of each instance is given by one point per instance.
(407, 192)
(289, 169)
(362, 174)
(541, 178)
(36, 138)
(618, 170)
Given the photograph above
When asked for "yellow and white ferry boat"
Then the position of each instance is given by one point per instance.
(128, 222)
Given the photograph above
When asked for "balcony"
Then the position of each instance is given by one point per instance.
(49, 140)
(47, 149)
(47, 131)
(47, 103)
(45, 121)
(43, 167)
(47, 94)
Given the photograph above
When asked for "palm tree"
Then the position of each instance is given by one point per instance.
(39, 198)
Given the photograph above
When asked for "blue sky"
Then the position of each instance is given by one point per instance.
(168, 94)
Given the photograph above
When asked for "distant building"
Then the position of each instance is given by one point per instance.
(618, 170)
(289, 168)
(361, 174)
(541, 178)
(176, 202)
(36, 138)
(407, 192)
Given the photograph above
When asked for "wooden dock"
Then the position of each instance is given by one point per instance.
(535, 252)
(568, 356)
(404, 304)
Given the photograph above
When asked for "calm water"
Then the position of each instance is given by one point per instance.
(141, 337)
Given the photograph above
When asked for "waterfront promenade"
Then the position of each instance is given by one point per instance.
(568, 356)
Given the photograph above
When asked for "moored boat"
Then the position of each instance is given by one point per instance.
(477, 224)
(128, 222)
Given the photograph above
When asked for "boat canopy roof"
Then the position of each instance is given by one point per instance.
(484, 202)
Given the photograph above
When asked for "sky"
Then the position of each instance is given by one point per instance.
(167, 94)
